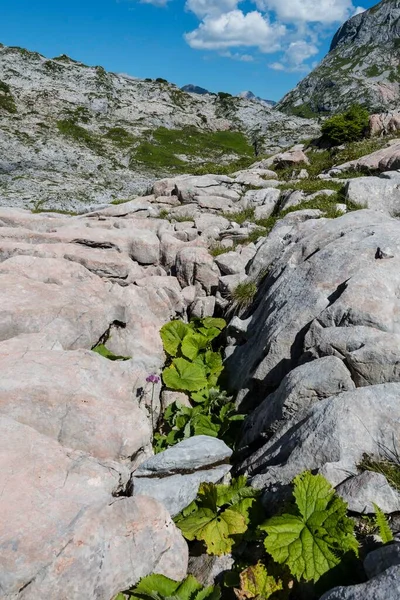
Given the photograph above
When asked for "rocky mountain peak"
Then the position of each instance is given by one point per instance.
(362, 66)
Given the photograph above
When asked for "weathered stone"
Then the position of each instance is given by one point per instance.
(168, 397)
(176, 492)
(203, 307)
(77, 536)
(375, 193)
(195, 264)
(362, 491)
(383, 558)
(384, 587)
(299, 390)
(291, 158)
(84, 401)
(335, 432)
(194, 453)
(207, 221)
(208, 569)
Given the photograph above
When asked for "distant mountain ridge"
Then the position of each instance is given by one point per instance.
(73, 135)
(195, 89)
(250, 96)
(362, 66)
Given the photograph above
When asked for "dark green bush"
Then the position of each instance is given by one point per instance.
(346, 127)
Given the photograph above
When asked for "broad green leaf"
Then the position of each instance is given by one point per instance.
(203, 425)
(382, 523)
(192, 344)
(155, 583)
(217, 534)
(210, 334)
(209, 593)
(217, 528)
(209, 322)
(193, 525)
(255, 582)
(184, 375)
(106, 353)
(188, 588)
(201, 396)
(311, 539)
(172, 335)
(159, 587)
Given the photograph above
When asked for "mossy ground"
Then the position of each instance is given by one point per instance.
(187, 149)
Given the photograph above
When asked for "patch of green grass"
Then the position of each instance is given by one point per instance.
(6, 99)
(311, 185)
(243, 294)
(57, 211)
(167, 149)
(247, 214)
(70, 129)
(217, 250)
(120, 201)
(120, 137)
(389, 468)
(372, 71)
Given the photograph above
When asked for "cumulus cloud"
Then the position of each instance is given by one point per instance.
(155, 2)
(203, 8)
(237, 29)
(310, 11)
(294, 28)
(238, 56)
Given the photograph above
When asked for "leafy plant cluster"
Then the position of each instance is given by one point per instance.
(346, 127)
(305, 544)
(194, 367)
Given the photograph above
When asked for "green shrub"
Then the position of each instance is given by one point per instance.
(346, 127)
(224, 95)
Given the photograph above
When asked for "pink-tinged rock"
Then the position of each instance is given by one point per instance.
(170, 285)
(109, 263)
(195, 264)
(291, 158)
(62, 534)
(67, 301)
(78, 398)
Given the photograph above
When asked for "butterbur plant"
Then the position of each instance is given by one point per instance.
(194, 366)
(219, 516)
(315, 533)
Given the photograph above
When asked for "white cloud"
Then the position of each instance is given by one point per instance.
(293, 60)
(155, 2)
(236, 29)
(358, 11)
(203, 8)
(238, 56)
(310, 11)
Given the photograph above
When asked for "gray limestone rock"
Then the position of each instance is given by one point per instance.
(385, 586)
(383, 558)
(363, 490)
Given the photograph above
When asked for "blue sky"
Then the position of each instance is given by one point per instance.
(265, 46)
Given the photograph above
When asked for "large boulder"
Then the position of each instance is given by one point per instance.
(332, 437)
(64, 532)
(173, 476)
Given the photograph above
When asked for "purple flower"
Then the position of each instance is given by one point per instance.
(153, 379)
